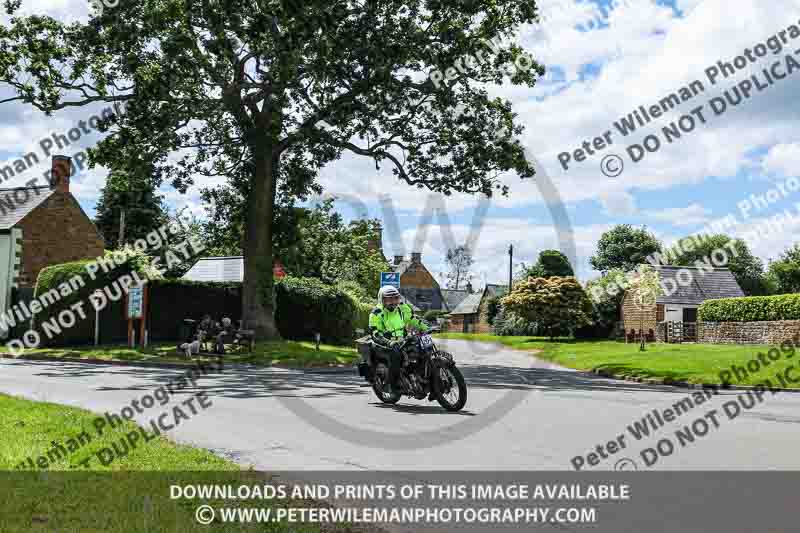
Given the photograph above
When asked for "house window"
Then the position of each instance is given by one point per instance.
(659, 312)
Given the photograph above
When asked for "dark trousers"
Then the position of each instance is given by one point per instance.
(393, 358)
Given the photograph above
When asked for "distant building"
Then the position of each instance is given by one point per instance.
(217, 269)
(417, 285)
(41, 227)
(685, 289)
(472, 313)
(453, 297)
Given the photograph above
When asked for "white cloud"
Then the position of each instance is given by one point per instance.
(618, 203)
(691, 215)
(783, 159)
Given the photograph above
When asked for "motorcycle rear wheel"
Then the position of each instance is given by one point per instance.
(451, 389)
(381, 372)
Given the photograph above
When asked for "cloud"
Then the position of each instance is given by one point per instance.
(682, 216)
(618, 203)
(783, 159)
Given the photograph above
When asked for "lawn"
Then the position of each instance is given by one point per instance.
(692, 363)
(131, 494)
(284, 353)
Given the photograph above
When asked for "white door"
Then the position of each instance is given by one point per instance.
(673, 313)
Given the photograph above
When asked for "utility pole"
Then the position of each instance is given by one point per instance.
(121, 227)
(510, 265)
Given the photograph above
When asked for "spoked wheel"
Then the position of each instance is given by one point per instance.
(381, 374)
(451, 389)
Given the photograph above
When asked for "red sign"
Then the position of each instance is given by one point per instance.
(277, 270)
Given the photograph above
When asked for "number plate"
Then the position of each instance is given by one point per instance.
(425, 341)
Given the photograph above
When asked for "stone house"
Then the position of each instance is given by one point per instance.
(40, 227)
(685, 288)
(417, 284)
(472, 314)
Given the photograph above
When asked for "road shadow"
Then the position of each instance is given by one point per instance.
(257, 382)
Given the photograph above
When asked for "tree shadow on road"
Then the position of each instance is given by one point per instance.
(254, 382)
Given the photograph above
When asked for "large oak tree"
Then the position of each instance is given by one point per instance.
(267, 92)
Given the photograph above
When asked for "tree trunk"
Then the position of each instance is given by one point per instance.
(258, 310)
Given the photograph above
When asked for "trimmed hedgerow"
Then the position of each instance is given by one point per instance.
(751, 309)
(58, 287)
(306, 306)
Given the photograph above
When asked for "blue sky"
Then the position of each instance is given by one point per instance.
(604, 59)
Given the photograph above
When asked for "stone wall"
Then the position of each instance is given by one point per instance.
(766, 332)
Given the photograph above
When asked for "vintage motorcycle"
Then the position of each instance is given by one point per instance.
(425, 371)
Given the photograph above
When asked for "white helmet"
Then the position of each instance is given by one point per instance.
(387, 291)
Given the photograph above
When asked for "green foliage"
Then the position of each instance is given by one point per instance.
(624, 247)
(606, 293)
(493, 308)
(784, 274)
(306, 306)
(57, 278)
(555, 304)
(274, 94)
(509, 324)
(745, 267)
(751, 309)
(328, 249)
(144, 208)
(431, 315)
(551, 263)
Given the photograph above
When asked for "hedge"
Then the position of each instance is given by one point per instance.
(52, 277)
(751, 309)
(306, 306)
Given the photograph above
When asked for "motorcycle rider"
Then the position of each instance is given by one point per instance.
(388, 324)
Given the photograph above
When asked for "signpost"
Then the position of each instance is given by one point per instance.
(135, 309)
(390, 278)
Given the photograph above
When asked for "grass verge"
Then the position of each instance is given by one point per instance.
(131, 494)
(691, 363)
(302, 354)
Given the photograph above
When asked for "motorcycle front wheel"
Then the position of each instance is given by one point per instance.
(451, 390)
(381, 373)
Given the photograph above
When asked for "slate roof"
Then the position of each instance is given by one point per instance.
(468, 305)
(493, 290)
(705, 285)
(217, 269)
(18, 202)
(453, 297)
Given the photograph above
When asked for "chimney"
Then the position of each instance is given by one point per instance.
(416, 257)
(398, 259)
(60, 170)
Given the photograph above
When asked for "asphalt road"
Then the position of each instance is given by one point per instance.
(521, 414)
